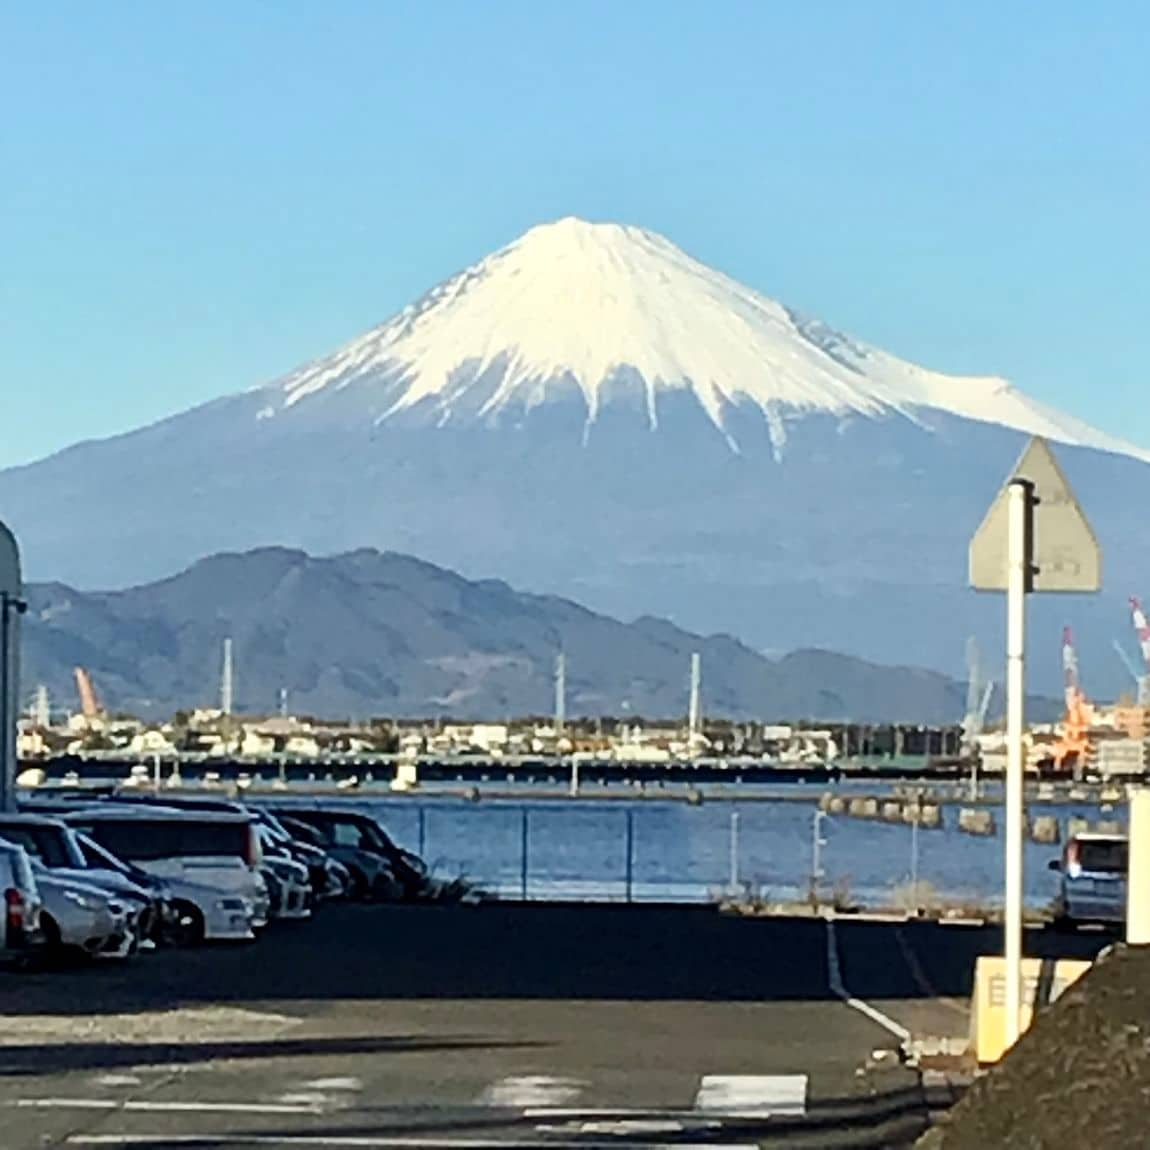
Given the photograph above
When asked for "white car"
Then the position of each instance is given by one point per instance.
(84, 919)
(210, 861)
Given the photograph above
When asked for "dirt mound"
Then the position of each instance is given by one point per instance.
(1079, 1077)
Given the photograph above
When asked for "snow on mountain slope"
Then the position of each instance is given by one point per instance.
(580, 303)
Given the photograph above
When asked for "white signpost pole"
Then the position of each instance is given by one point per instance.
(1035, 537)
(1019, 560)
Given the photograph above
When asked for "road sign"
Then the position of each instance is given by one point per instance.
(1064, 551)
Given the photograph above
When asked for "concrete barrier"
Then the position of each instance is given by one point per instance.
(863, 808)
(1045, 829)
(931, 818)
(1107, 827)
(838, 806)
(976, 821)
(1076, 826)
(892, 811)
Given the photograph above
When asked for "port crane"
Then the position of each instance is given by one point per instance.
(1074, 747)
(1142, 630)
(89, 703)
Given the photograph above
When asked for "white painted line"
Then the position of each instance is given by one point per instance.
(359, 1142)
(348, 1084)
(118, 1080)
(835, 977)
(518, 1093)
(140, 1105)
(753, 1095)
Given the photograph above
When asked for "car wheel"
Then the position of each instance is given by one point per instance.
(359, 890)
(189, 926)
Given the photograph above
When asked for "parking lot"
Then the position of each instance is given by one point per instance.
(376, 1026)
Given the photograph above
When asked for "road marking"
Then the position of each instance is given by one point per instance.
(532, 1090)
(348, 1084)
(119, 1080)
(835, 977)
(753, 1095)
(360, 1142)
(922, 979)
(163, 1107)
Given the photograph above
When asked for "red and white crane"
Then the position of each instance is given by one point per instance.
(1142, 629)
(1071, 685)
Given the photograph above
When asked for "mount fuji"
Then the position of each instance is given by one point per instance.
(591, 412)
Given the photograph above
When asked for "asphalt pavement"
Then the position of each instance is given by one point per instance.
(485, 1026)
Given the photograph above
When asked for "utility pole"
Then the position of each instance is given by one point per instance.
(12, 606)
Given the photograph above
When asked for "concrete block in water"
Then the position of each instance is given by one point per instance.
(838, 805)
(825, 800)
(1107, 827)
(931, 816)
(1045, 829)
(978, 821)
(1076, 826)
(892, 811)
(863, 808)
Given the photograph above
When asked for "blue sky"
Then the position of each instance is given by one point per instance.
(198, 196)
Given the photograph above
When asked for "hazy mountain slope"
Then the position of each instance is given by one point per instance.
(382, 634)
(591, 412)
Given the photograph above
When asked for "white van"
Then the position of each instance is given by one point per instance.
(195, 852)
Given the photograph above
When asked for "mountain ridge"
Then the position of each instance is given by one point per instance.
(390, 634)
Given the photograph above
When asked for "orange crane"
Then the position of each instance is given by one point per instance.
(1074, 748)
(89, 703)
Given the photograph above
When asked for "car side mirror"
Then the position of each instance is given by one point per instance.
(1054, 864)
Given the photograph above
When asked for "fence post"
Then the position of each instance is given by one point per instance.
(423, 832)
(630, 852)
(734, 851)
(523, 847)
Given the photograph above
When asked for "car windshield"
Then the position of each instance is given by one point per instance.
(1103, 856)
(145, 839)
(96, 856)
(49, 845)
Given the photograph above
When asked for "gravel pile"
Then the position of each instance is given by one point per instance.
(1079, 1078)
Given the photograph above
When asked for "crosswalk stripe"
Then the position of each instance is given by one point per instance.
(753, 1095)
(532, 1091)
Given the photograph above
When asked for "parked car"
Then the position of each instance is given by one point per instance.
(52, 846)
(81, 919)
(22, 933)
(328, 878)
(289, 886)
(170, 923)
(379, 868)
(288, 878)
(1093, 885)
(216, 854)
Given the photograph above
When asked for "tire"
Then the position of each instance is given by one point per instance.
(359, 891)
(189, 929)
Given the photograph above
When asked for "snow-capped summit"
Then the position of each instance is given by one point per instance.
(582, 304)
(591, 412)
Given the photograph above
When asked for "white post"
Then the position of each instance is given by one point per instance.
(734, 876)
(574, 776)
(1018, 579)
(1138, 870)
